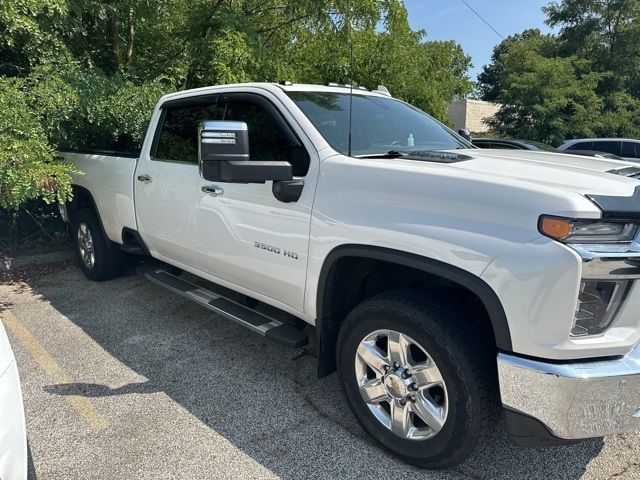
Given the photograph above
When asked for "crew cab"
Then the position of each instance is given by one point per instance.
(447, 285)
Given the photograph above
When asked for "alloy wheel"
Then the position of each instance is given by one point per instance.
(85, 246)
(401, 385)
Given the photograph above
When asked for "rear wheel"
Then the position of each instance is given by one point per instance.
(95, 259)
(416, 379)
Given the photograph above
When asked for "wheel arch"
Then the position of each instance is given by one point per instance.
(327, 326)
(82, 198)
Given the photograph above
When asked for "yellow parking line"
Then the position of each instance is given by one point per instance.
(81, 404)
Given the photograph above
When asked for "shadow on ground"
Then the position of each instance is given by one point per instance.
(263, 398)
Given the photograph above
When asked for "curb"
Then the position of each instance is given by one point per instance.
(21, 261)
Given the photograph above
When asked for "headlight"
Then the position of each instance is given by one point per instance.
(598, 304)
(587, 231)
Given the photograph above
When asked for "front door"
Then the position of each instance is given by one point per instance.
(242, 233)
(238, 235)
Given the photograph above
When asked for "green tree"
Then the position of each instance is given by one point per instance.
(579, 82)
(607, 32)
(28, 169)
(492, 79)
(29, 33)
(547, 99)
(86, 73)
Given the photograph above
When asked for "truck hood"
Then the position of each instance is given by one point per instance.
(575, 173)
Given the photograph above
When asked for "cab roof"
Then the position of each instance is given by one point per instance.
(272, 86)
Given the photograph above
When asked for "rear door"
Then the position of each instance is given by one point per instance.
(167, 181)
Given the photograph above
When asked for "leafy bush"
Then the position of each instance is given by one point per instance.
(28, 165)
(84, 108)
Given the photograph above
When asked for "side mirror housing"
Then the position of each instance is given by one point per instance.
(464, 133)
(223, 155)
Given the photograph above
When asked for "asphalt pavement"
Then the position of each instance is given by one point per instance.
(122, 379)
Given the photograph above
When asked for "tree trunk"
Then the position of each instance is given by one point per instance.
(112, 32)
(13, 232)
(130, 35)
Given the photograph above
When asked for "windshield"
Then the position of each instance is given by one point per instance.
(380, 125)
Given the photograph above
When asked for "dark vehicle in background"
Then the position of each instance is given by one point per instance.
(511, 144)
(627, 148)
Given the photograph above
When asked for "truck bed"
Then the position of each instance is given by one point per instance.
(109, 177)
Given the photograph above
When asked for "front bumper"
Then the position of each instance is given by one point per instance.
(574, 400)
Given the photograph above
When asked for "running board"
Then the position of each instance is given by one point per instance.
(273, 329)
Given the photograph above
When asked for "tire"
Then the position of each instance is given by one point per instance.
(458, 398)
(31, 469)
(96, 260)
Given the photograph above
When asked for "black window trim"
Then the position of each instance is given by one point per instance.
(257, 98)
(269, 106)
(179, 102)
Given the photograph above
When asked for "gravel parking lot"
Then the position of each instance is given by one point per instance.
(125, 380)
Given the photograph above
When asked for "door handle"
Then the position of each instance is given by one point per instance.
(144, 178)
(213, 190)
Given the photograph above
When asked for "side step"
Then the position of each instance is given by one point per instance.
(273, 329)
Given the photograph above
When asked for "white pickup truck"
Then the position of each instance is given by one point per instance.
(448, 285)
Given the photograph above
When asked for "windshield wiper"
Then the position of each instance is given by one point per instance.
(389, 154)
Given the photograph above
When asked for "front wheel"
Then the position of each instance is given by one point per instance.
(95, 259)
(416, 378)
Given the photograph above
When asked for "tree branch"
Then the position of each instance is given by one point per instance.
(283, 24)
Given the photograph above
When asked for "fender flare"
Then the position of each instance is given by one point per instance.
(489, 299)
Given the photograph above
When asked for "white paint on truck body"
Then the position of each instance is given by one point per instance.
(478, 215)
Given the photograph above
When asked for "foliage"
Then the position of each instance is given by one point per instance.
(87, 73)
(607, 32)
(27, 166)
(580, 82)
(84, 108)
(549, 98)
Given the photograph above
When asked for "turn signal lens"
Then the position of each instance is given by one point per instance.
(557, 228)
(587, 231)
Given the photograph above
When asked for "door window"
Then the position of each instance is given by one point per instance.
(631, 150)
(178, 137)
(504, 146)
(581, 146)
(267, 139)
(607, 146)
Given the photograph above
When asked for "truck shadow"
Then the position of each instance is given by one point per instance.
(263, 398)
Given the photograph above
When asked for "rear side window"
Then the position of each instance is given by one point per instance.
(178, 138)
(607, 146)
(631, 150)
(581, 146)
